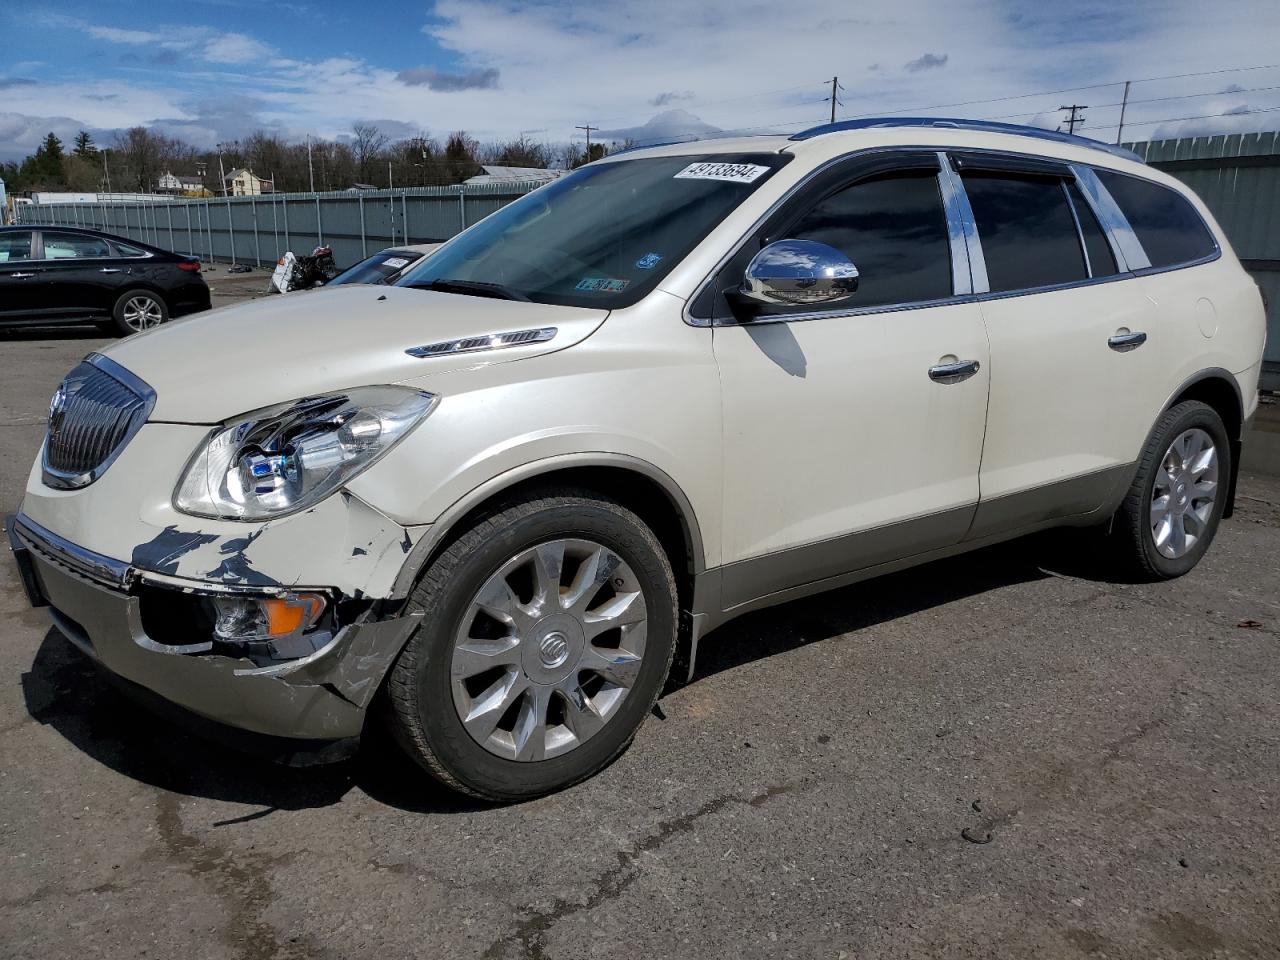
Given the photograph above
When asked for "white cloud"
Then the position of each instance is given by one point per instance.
(615, 65)
(236, 48)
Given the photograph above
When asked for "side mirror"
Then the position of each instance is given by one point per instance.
(799, 272)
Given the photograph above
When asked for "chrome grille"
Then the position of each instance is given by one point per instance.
(95, 412)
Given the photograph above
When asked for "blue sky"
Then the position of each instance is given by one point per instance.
(218, 69)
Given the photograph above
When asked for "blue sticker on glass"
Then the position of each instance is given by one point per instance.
(649, 261)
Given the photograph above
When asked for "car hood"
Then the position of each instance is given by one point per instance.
(220, 364)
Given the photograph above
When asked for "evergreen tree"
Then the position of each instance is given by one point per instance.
(84, 145)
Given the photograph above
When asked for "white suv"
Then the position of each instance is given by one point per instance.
(495, 500)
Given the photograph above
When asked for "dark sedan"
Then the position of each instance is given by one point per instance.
(60, 274)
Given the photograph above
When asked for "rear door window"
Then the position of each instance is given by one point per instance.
(1027, 230)
(73, 246)
(1167, 225)
(15, 246)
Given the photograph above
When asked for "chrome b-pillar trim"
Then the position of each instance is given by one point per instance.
(968, 265)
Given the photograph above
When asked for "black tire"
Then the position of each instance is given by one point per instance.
(1134, 547)
(120, 324)
(420, 704)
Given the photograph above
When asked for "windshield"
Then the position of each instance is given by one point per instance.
(603, 236)
(380, 268)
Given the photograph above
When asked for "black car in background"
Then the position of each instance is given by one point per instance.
(63, 274)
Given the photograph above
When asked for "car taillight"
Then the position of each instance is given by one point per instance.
(192, 265)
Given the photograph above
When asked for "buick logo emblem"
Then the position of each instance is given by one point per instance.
(57, 410)
(553, 650)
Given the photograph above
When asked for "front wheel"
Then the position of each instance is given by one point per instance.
(138, 310)
(1176, 501)
(548, 631)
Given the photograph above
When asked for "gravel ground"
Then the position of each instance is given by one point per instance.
(804, 797)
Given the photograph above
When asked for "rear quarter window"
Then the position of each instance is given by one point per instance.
(1166, 224)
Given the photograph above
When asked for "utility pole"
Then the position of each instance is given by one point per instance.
(222, 174)
(105, 172)
(1075, 116)
(587, 127)
(1124, 102)
(311, 170)
(834, 98)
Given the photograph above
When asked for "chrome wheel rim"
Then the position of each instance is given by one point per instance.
(1183, 494)
(142, 313)
(548, 649)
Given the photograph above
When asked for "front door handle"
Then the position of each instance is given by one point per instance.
(21, 276)
(953, 372)
(1123, 341)
(108, 269)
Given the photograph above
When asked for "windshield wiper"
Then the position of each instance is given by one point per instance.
(476, 288)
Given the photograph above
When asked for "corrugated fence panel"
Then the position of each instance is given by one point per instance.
(258, 230)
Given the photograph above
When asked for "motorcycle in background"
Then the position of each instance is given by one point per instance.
(305, 272)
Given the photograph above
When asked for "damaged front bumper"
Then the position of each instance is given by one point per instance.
(97, 602)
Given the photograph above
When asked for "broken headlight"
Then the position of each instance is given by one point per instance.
(285, 458)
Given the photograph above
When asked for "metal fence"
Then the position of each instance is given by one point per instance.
(259, 229)
(1238, 177)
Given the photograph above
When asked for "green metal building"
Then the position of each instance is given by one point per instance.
(1238, 177)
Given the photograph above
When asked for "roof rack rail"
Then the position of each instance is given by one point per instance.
(989, 126)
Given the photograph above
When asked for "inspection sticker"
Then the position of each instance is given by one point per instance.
(395, 262)
(730, 172)
(602, 285)
(649, 261)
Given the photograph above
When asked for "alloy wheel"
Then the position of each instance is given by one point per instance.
(548, 649)
(142, 313)
(1184, 493)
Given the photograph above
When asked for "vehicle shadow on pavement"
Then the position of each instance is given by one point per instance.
(66, 691)
(82, 331)
(821, 617)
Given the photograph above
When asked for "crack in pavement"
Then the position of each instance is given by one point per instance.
(530, 933)
(240, 879)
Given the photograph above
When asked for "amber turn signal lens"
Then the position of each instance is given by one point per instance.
(287, 615)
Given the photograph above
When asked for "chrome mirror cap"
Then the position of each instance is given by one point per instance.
(800, 272)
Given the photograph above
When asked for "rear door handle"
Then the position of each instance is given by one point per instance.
(108, 269)
(953, 372)
(1123, 341)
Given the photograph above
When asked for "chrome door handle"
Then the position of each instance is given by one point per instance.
(953, 372)
(21, 276)
(108, 269)
(1124, 341)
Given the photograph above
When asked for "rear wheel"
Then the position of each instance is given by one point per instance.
(1172, 510)
(548, 631)
(138, 310)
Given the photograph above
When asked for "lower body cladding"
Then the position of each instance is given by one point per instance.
(294, 668)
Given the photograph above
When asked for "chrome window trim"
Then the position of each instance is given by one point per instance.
(852, 311)
(1075, 218)
(1124, 242)
(960, 217)
(63, 480)
(75, 233)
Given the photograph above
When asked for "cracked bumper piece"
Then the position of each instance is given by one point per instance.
(94, 601)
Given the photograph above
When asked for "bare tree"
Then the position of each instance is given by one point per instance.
(367, 144)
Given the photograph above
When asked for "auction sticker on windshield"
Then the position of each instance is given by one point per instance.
(395, 262)
(602, 285)
(729, 172)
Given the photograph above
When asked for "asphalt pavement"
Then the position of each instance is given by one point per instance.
(999, 755)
